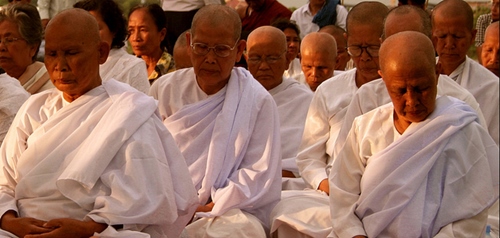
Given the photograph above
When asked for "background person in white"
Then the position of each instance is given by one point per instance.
(418, 161)
(87, 157)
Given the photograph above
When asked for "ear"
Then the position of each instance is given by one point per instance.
(380, 73)
(163, 33)
(103, 52)
(240, 48)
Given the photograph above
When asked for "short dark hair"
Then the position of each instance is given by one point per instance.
(159, 18)
(283, 23)
(111, 14)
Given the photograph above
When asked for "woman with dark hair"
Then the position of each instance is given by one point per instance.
(146, 34)
(120, 65)
(20, 37)
(292, 34)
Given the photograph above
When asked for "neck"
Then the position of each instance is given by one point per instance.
(153, 58)
(315, 8)
(448, 68)
(401, 125)
(210, 89)
(361, 79)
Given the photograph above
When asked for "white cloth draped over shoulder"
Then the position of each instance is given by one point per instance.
(105, 156)
(125, 68)
(12, 96)
(483, 84)
(438, 173)
(294, 70)
(230, 140)
(293, 100)
(374, 94)
(323, 122)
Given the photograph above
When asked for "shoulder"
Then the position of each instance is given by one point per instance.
(177, 79)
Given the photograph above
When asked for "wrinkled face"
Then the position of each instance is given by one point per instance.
(72, 59)
(210, 69)
(489, 53)
(293, 42)
(412, 91)
(104, 32)
(267, 61)
(451, 39)
(144, 37)
(15, 53)
(364, 35)
(317, 67)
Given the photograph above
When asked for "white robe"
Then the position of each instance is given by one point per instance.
(439, 172)
(125, 68)
(483, 84)
(105, 156)
(12, 96)
(230, 140)
(374, 94)
(294, 70)
(292, 99)
(322, 126)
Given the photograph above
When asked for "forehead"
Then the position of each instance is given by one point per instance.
(289, 32)
(318, 59)
(141, 17)
(209, 34)
(455, 22)
(361, 33)
(8, 27)
(60, 36)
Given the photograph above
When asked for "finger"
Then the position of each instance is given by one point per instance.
(52, 223)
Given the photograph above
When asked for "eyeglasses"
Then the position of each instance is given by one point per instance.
(269, 59)
(219, 50)
(356, 50)
(7, 40)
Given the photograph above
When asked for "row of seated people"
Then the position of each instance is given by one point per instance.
(120, 168)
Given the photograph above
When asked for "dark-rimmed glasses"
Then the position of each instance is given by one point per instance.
(219, 50)
(356, 50)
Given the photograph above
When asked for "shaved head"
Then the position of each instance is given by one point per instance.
(358, 15)
(319, 53)
(218, 15)
(267, 34)
(68, 20)
(455, 8)
(490, 53)
(407, 18)
(181, 53)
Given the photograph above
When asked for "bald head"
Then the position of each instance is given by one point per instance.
(338, 33)
(318, 56)
(407, 66)
(407, 18)
(452, 9)
(75, 21)
(490, 53)
(358, 16)
(181, 53)
(266, 48)
(215, 16)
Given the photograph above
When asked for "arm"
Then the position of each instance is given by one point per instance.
(67, 227)
(345, 178)
(312, 157)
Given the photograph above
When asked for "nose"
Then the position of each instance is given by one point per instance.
(315, 74)
(412, 99)
(263, 64)
(449, 42)
(364, 55)
(135, 36)
(61, 64)
(210, 57)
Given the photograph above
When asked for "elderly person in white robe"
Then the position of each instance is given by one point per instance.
(21, 34)
(227, 127)
(90, 157)
(419, 161)
(318, 58)
(12, 96)
(119, 65)
(266, 51)
(452, 34)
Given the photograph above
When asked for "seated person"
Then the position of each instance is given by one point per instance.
(490, 54)
(227, 127)
(292, 32)
(120, 65)
(416, 160)
(21, 34)
(181, 52)
(89, 157)
(318, 57)
(266, 50)
(343, 61)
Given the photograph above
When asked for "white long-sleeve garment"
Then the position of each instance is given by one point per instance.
(483, 84)
(323, 123)
(374, 94)
(292, 99)
(125, 68)
(12, 96)
(440, 172)
(105, 156)
(230, 140)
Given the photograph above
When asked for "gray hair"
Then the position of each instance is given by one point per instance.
(28, 20)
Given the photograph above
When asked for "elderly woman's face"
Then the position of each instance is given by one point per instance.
(106, 35)
(144, 36)
(15, 53)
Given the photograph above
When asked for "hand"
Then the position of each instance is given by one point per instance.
(205, 208)
(22, 226)
(67, 227)
(324, 186)
(287, 174)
